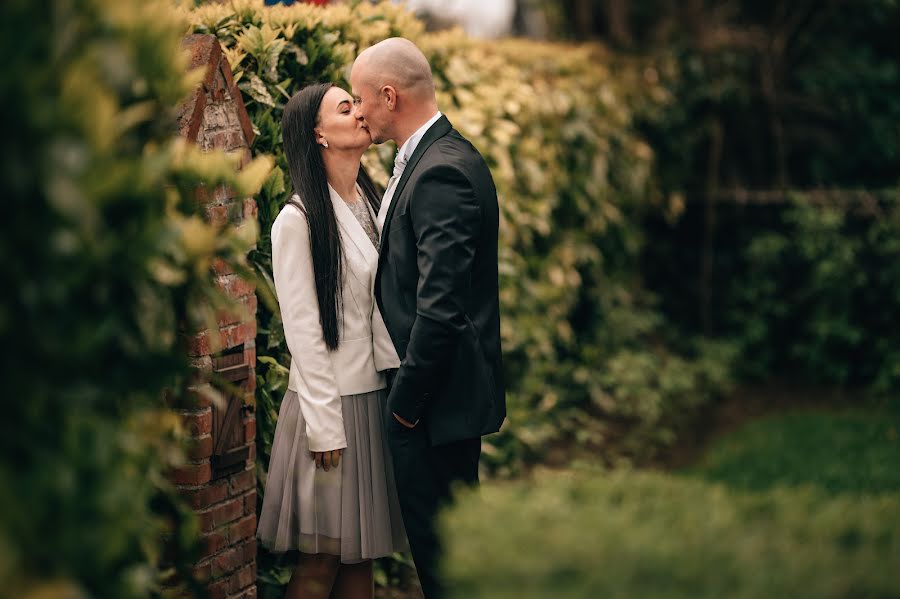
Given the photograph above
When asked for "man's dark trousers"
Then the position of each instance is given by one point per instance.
(426, 477)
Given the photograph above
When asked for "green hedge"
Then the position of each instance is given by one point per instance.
(624, 535)
(820, 295)
(581, 338)
(104, 261)
(806, 292)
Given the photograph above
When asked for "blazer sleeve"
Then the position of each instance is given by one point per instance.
(320, 401)
(446, 221)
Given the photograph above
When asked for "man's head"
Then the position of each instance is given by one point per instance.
(393, 89)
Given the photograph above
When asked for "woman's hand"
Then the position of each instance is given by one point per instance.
(327, 459)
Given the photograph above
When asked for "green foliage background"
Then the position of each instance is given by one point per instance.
(775, 97)
(586, 352)
(105, 263)
(807, 292)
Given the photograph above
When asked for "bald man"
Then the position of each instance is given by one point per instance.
(436, 287)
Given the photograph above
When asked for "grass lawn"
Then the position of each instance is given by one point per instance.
(801, 503)
(845, 450)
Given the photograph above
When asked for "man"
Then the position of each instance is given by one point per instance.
(436, 287)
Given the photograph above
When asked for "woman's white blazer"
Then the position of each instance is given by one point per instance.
(318, 376)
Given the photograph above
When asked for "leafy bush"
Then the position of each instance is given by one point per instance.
(105, 263)
(805, 292)
(625, 535)
(819, 297)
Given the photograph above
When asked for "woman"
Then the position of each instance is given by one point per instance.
(330, 490)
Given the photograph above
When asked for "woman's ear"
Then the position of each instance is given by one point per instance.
(320, 139)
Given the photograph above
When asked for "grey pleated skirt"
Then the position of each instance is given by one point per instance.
(352, 510)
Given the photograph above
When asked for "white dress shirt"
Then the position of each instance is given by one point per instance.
(403, 155)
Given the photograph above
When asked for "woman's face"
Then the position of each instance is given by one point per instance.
(338, 124)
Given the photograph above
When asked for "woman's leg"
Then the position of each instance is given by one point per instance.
(313, 577)
(354, 581)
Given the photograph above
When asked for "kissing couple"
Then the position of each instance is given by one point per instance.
(391, 315)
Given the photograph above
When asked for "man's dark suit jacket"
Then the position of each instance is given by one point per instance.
(436, 287)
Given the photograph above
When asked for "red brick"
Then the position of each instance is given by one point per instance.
(245, 311)
(228, 511)
(241, 482)
(199, 423)
(224, 193)
(243, 117)
(250, 502)
(191, 474)
(187, 401)
(206, 519)
(236, 139)
(201, 367)
(225, 562)
(236, 334)
(250, 549)
(250, 303)
(218, 589)
(198, 396)
(221, 267)
(250, 387)
(252, 457)
(244, 528)
(217, 214)
(246, 157)
(250, 209)
(214, 542)
(250, 429)
(250, 351)
(234, 286)
(205, 496)
(202, 571)
(249, 593)
(242, 579)
(219, 140)
(201, 194)
(200, 448)
(198, 344)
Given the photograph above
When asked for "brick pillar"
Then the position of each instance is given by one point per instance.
(219, 479)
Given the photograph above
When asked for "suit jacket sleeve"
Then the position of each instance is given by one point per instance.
(320, 401)
(446, 222)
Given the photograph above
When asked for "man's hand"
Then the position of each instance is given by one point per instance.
(405, 423)
(327, 459)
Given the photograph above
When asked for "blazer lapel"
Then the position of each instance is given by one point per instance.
(351, 227)
(440, 128)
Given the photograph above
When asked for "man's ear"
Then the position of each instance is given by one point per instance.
(389, 96)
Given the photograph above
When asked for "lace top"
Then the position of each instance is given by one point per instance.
(362, 214)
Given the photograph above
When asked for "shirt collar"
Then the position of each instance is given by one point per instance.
(409, 146)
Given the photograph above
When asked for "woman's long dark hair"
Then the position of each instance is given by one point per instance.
(307, 170)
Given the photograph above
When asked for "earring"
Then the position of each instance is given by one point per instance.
(324, 143)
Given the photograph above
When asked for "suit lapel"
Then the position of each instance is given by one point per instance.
(351, 227)
(440, 128)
